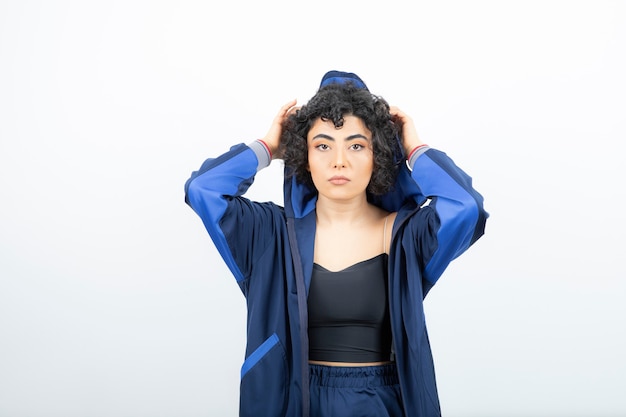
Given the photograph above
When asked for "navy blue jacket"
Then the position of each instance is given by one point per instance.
(269, 250)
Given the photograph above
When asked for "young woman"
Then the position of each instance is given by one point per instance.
(334, 280)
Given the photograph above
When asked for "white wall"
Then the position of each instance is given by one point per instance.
(113, 301)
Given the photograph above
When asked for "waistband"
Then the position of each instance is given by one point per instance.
(353, 376)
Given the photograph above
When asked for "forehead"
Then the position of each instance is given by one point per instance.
(351, 125)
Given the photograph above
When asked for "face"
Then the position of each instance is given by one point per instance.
(341, 160)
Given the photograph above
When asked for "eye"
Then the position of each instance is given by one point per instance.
(322, 147)
(356, 147)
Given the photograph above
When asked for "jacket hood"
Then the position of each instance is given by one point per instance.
(300, 199)
(340, 77)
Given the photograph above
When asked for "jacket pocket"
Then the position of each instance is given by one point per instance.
(264, 381)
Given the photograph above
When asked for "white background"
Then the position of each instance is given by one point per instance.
(113, 301)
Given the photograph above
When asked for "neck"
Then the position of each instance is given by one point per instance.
(332, 212)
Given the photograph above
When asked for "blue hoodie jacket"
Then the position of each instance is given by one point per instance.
(269, 250)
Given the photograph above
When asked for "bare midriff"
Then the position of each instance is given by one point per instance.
(326, 363)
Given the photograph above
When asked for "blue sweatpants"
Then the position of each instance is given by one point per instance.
(368, 391)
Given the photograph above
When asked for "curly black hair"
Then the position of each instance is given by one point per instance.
(331, 103)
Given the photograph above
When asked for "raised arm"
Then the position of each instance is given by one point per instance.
(239, 228)
(455, 217)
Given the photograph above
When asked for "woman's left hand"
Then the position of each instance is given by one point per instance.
(410, 138)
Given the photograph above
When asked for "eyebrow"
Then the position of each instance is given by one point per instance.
(351, 137)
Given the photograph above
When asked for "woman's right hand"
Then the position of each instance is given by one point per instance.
(272, 138)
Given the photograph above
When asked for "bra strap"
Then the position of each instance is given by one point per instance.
(385, 233)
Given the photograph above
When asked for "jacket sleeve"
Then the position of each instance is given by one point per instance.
(239, 228)
(453, 219)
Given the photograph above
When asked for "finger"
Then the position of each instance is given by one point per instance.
(293, 109)
(284, 111)
(396, 112)
(287, 106)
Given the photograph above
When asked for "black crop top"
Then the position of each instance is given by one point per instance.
(349, 313)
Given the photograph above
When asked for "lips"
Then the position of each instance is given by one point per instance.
(338, 180)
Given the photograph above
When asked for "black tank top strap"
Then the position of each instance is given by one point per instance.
(349, 313)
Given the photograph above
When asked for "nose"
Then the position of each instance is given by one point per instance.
(339, 158)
